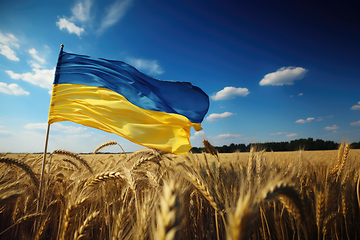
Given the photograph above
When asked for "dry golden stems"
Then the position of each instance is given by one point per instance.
(208, 171)
(10, 185)
(21, 220)
(23, 166)
(75, 156)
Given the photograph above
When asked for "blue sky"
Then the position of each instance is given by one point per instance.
(274, 70)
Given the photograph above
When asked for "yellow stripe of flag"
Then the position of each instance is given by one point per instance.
(109, 111)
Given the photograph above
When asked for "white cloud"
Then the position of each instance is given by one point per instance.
(201, 134)
(71, 27)
(115, 12)
(149, 66)
(285, 75)
(35, 55)
(40, 77)
(34, 64)
(292, 135)
(300, 94)
(6, 42)
(12, 89)
(198, 136)
(305, 121)
(227, 135)
(81, 10)
(278, 133)
(334, 127)
(356, 107)
(5, 132)
(54, 127)
(355, 123)
(33, 126)
(66, 129)
(8, 52)
(9, 40)
(218, 116)
(230, 92)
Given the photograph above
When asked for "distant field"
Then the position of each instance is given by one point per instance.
(151, 195)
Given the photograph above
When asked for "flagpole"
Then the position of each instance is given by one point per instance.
(43, 167)
(44, 157)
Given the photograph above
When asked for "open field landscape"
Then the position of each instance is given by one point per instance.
(149, 194)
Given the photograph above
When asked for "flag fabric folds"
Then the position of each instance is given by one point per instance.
(115, 97)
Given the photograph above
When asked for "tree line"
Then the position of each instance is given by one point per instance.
(294, 145)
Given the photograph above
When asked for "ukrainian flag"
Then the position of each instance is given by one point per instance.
(115, 97)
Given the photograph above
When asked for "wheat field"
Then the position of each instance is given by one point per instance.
(150, 194)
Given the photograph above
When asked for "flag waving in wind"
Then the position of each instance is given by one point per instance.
(115, 97)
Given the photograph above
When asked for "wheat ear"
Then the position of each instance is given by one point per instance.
(71, 162)
(166, 216)
(69, 216)
(145, 151)
(109, 143)
(23, 166)
(75, 156)
(82, 231)
(42, 228)
(101, 177)
(211, 149)
(143, 159)
(343, 160)
(204, 191)
(320, 210)
(239, 220)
